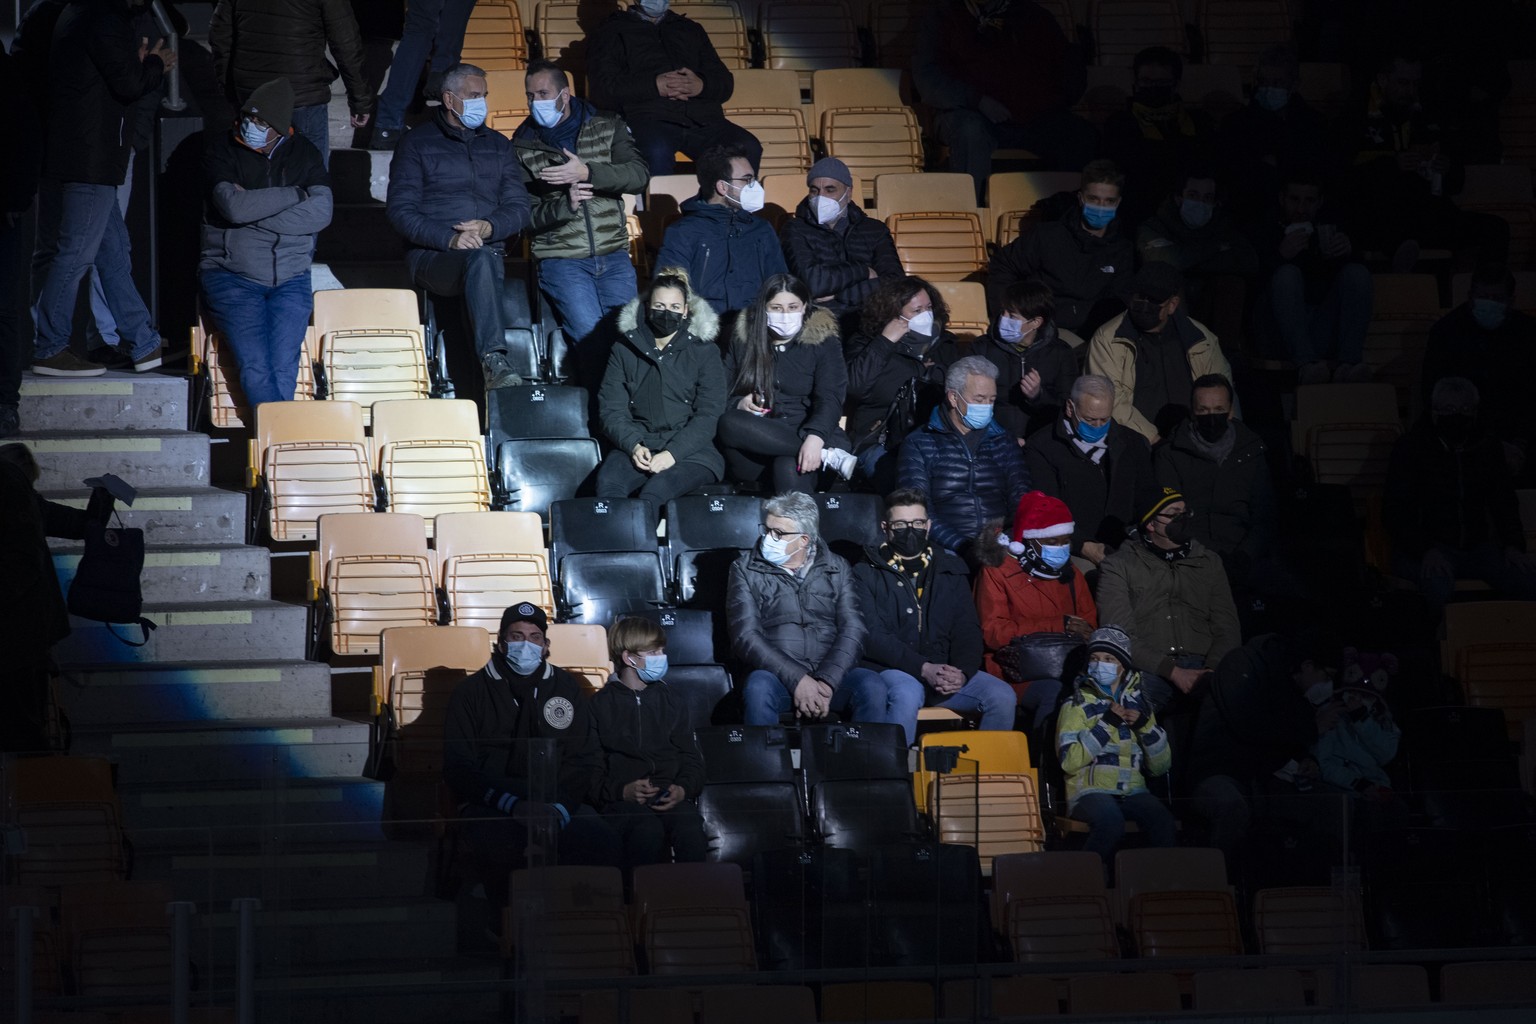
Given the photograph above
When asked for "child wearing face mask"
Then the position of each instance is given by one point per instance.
(1109, 741)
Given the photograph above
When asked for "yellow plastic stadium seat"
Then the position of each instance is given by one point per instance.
(313, 459)
(967, 301)
(491, 561)
(781, 130)
(727, 30)
(874, 141)
(764, 87)
(68, 810)
(215, 360)
(371, 345)
(376, 572)
(431, 456)
(854, 87)
(930, 192)
(1011, 195)
(581, 649)
(420, 668)
(939, 246)
(1306, 919)
(494, 39)
(1185, 924)
(807, 37)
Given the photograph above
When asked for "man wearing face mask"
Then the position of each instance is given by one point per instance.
(659, 71)
(1191, 231)
(269, 196)
(1172, 593)
(1156, 133)
(1450, 507)
(1083, 257)
(456, 195)
(794, 624)
(1037, 365)
(577, 165)
(971, 469)
(1153, 351)
(520, 754)
(1492, 344)
(1274, 128)
(1100, 468)
(837, 249)
(924, 638)
(727, 252)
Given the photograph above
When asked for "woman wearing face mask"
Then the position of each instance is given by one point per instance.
(662, 395)
(652, 770)
(895, 371)
(1028, 585)
(786, 381)
(1109, 740)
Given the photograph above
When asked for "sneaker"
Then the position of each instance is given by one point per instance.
(385, 139)
(151, 360)
(66, 364)
(10, 421)
(499, 372)
(840, 462)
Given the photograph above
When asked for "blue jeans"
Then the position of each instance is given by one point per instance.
(1486, 562)
(435, 26)
(314, 123)
(1038, 697)
(1106, 816)
(264, 325)
(90, 233)
(862, 695)
(1335, 327)
(584, 289)
(983, 692)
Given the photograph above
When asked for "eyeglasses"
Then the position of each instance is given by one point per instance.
(749, 179)
(769, 531)
(907, 524)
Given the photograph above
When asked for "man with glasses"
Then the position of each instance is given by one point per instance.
(794, 623)
(1171, 594)
(456, 195)
(924, 636)
(727, 252)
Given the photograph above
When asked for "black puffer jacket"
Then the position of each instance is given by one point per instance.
(644, 735)
(1440, 495)
(966, 489)
(94, 77)
(794, 625)
(906, 630)
(628, 51)
(810, 377)
(1233, 502)
(1080, 268)
(837, 262)
(255, 41)
(1105, 499)
(1050, 355)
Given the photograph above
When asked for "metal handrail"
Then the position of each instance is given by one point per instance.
(173, 100)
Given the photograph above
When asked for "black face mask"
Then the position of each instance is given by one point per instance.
(1145, 320)
(1154, 95)
(1178, 528)
(1455, 428)
(909, 541)
(1212, 426)
(664, 322)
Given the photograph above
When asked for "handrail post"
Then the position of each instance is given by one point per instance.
(173, 100)
(245, 959)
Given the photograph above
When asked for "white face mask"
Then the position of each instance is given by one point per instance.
(828, 210)
(785, 325)
(922, 323)
(547, 113)
(751, 197)
(776, 550)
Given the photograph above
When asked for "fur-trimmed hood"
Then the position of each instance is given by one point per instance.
(703, 322)
(819, 325)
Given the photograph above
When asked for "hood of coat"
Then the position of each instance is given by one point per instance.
(819, 325)
(703, 322)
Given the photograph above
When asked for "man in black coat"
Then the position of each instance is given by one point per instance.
(839, 251)
(18, 183)
(660, 72)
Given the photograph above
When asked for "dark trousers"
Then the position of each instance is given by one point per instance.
(660, 141)
(761, 446)
(431, 26)
(499, 843)
(646, 836)
(15, 343)
(24, 703)
(617, 477)
(479, 276)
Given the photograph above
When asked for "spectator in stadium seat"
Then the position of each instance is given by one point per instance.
(1492, 344)
(659, 70)
(785, 381)
(578, 163)
(1001, 73)
(1276, 127)
(727, 252)
(1108, 740)
(268, 197)
(255, 41)
(837, 249)
(1101, 469)
(652, 770)
(497, 718)
(1083, 257)
(970, 467)
(924, 638)
(1172, 590)
(794, 624)
(662, 395)
(1450, 507)
(435, 26)
(1036, 365)
(1156, 133)
(1031, 586)
(1152, 352)
(456, 195)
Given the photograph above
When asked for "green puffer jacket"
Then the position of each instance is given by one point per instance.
(616, 168)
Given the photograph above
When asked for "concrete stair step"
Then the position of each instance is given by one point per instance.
(144, 458)
(115, 401)
(276, 749)
(189, 573)
(128, 694)
(223, 815)
(219, 631)
(314, 996)
(192, 515)
(351, 870)
(308, 934)
(359, 232)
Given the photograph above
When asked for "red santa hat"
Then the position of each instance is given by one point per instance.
(1039, 515)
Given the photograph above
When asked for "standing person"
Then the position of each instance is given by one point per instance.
(456, 195)
(97, 69)
(652, 771)
(660, 72)
(255, 41)
(662, 395)
(18, 184)
(786, 381)
(1109, 740)
(435, 26)
(268, 197)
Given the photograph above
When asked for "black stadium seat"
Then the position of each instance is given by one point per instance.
(600, 524)
(810, 911)
(531, 473)
(746, 753)
(851, 522)
(705, 534)
(702, 688)
(690, 634)
(751, 801)
(861, 792)
(537, 410)
(596, 586)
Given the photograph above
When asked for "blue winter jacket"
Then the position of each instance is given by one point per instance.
(728, 253)
(964, 491)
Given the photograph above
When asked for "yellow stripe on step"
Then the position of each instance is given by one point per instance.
(140, 505)
(223, 618)
(233, 738)
(182, 676)
(103, 444)
(62, 388)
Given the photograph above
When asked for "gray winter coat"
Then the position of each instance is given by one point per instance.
(263, 212)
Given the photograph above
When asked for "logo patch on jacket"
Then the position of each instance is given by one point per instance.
(558, 712)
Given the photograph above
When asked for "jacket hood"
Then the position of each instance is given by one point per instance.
(703, 322)
(819, 325)
(1247, 440)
